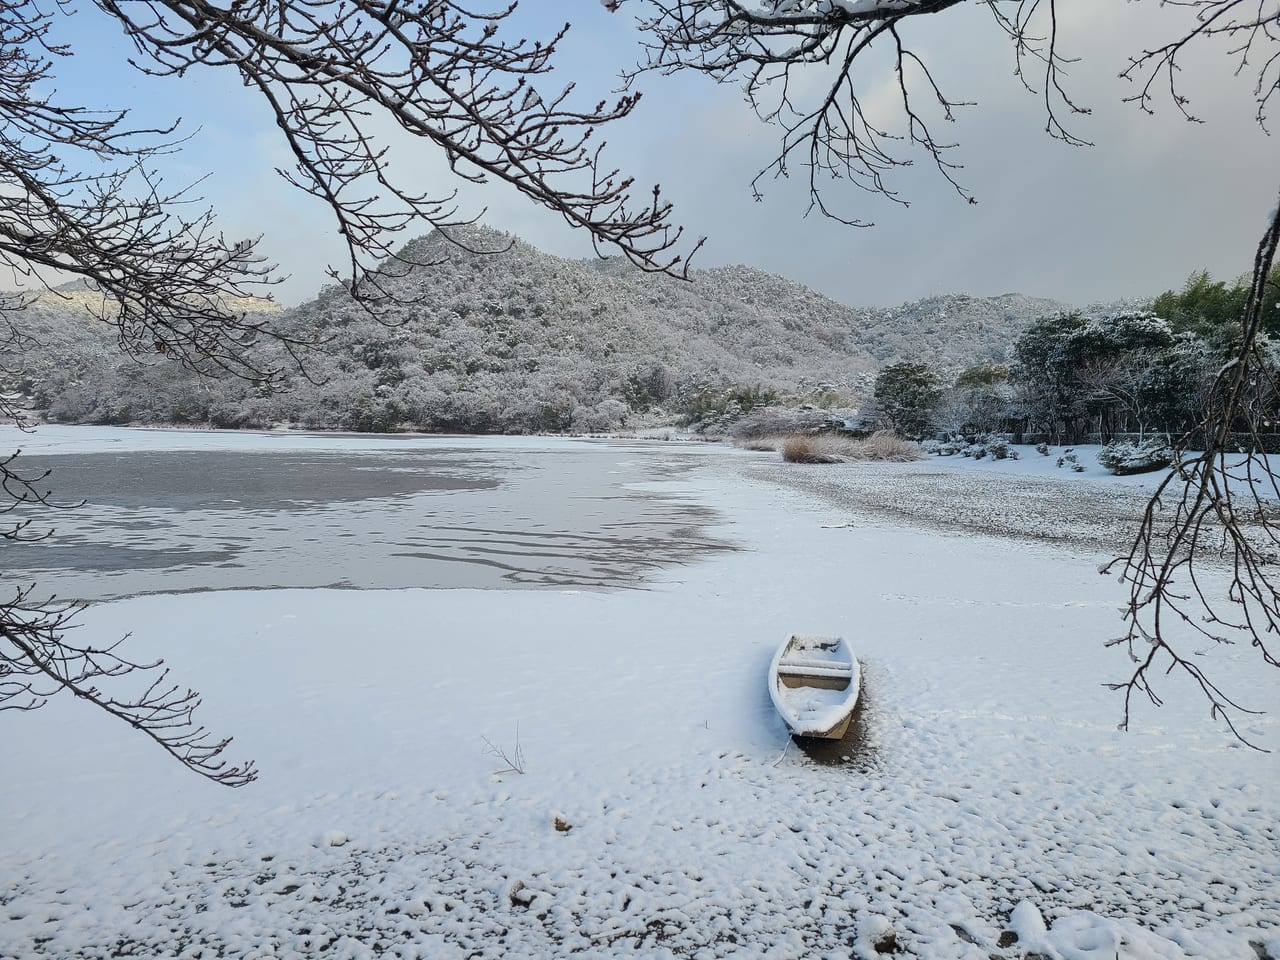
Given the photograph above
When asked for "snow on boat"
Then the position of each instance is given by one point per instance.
(814, 683)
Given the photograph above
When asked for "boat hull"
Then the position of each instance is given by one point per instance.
(814, 683)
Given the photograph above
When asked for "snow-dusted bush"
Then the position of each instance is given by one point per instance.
(1068, 458)
(849, 423)
(948, 447)
(991, 445)
(997, 447)
(777, 422)
(1042, 449)
(1122, 457)
(605, 416)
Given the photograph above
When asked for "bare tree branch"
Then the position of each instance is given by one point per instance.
(443, 74)
(1222, 503)
(80, 196)
(798, 62)
(778, 48)
(38, 661)
(1250, 27)
(169, 279)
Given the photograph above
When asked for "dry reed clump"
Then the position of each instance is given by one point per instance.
(886, 445)
(828, 448)
(811, 450)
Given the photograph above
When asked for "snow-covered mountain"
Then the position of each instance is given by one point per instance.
(489, 333)
(951, 331)
(724, 316)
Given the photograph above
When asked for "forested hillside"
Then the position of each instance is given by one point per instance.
(521, 341)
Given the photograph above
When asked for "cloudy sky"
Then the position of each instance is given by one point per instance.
(1154, 199)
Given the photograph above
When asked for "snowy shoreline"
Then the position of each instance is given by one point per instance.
(999, 795)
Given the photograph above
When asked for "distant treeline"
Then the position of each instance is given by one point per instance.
(1072, 377)
(519, 342)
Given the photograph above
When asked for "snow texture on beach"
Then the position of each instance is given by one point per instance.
(659, 814)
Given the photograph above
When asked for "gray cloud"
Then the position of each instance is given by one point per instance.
(1156, 198)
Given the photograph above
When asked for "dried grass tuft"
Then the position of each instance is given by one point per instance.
(886, 445)
(810, 450)
(828, 448)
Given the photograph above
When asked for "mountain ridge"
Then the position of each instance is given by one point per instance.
(515, 339)
(977, 328)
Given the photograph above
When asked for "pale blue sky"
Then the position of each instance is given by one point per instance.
(1156, 198)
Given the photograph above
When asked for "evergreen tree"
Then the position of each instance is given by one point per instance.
(907, 395)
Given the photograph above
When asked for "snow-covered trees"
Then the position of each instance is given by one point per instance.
(1116, 373)
(521, 333)
(978, 402)
(906, 396)
(1129, 373)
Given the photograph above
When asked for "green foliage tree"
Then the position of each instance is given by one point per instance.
(907, 395)
(982, 375)
(1212, 308)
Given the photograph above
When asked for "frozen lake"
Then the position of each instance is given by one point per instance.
(659, 809)
(424, 512)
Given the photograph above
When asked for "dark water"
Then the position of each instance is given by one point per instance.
(490, 517)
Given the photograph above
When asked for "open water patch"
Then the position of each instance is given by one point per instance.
(495, 517)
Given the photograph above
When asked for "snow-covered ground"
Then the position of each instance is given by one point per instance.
(992, 792)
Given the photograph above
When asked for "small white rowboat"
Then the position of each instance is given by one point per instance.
(814, 683)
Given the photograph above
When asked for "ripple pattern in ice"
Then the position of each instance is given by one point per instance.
(441, 517)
